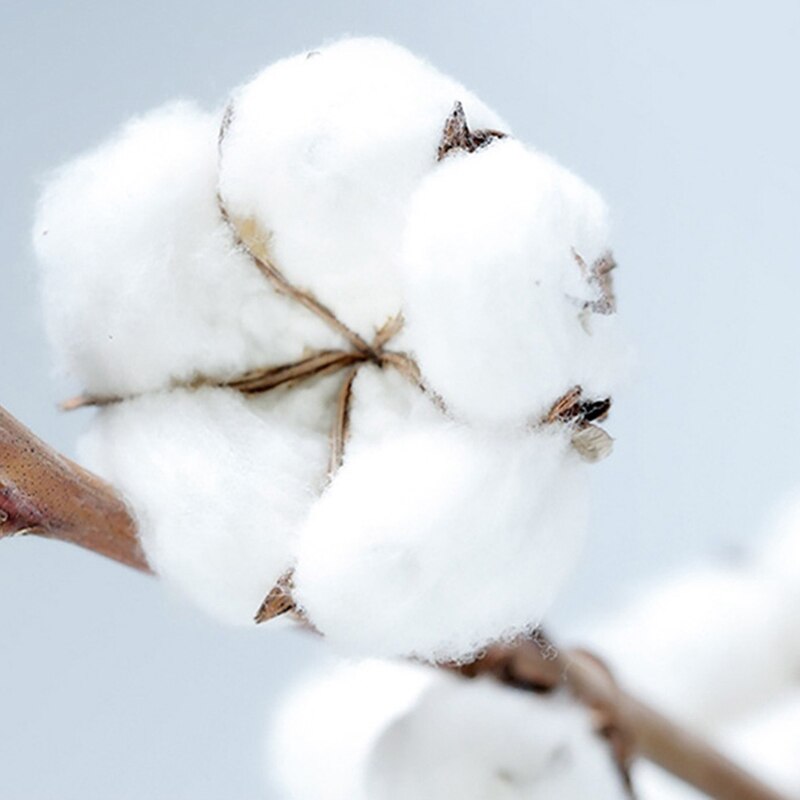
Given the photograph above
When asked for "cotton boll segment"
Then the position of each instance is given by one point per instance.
(403, 552)
(323, 150)
(479, 741)
(494, 292)
(142, 282)
(321, 740)
(217, 490)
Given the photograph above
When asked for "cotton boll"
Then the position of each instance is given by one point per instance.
(476, 740)
(323, 150)
(706, 645)
(217, 490)
(494, 293)
(142, 282)
(436, 541)
(321, 740)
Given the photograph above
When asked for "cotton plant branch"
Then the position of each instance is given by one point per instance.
(46, 494)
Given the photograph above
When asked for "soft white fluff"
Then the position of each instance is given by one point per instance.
(493, 290)
(705, 645)
(324, 150)
(381, 731)
(217, 488)
(321, 739)
(142, 284)
(438, 540)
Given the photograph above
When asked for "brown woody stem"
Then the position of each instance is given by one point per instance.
(44, 493)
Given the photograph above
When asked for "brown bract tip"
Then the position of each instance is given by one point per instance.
(456, 134)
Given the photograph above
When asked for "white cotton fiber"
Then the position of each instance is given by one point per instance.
(322, 737)
(324, 149)
(217, 487)
(704, 645)
(477, 740)
(494, 293)
(141, 281)
(434, 542)
(383, 731)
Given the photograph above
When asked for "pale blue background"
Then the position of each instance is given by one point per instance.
(683, 113)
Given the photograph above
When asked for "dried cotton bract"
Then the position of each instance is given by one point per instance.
(379, 731)
(355, 244)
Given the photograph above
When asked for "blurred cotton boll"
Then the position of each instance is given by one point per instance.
(383, 731)
(480, 741)
(402, 553)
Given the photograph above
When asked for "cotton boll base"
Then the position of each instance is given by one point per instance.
(217, 488)
(323, 150)
(435, 542)
(496, 302)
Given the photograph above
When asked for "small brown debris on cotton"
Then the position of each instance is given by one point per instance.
(456, 134)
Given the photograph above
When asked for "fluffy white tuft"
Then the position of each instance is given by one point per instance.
(403, 552)
(324, 149)
(142, 283)
(481, 741)
(218, 488)
(494, 293)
